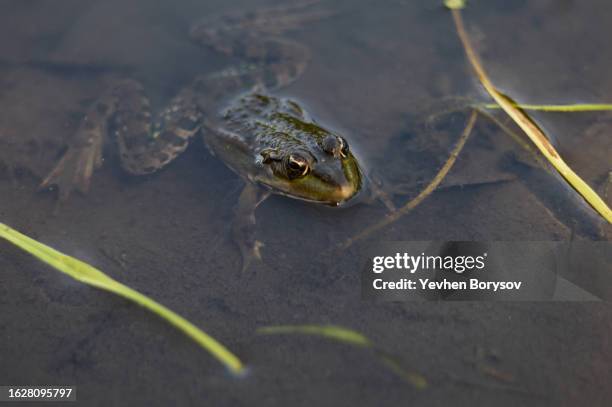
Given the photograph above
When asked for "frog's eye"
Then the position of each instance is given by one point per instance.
(344, 148)
(297, 166)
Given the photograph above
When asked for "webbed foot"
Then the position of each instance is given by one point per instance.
(84, 153)
(83, 157)
(74, 170)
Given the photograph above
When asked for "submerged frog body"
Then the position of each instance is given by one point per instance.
(273, 142)
(270, 142)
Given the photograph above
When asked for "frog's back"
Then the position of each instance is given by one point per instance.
(266, 121)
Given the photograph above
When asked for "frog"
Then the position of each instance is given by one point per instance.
(272, 143)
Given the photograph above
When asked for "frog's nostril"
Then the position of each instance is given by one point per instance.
(330, 145)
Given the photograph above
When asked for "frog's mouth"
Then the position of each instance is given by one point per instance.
(340, 196)
(333, 188)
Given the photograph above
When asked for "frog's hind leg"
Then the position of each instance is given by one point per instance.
(84, 153)
(228, 33)
(256, 37)
(146, 146)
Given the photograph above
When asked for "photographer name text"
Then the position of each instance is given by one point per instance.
(411, 264)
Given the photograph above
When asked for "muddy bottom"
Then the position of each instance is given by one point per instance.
(376, 73)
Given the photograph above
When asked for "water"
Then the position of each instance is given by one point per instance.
(376, 71)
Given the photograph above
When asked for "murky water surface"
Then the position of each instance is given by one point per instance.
(378, 71)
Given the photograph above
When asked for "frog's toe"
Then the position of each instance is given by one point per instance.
(250, 253)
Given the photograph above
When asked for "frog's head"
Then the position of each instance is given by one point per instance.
(325, 171)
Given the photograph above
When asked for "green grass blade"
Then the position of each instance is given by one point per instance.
(454, 4)
(344, 335)
(531, 129)
(416, 379)
(87, 274)
(329, 331)
(574, 108)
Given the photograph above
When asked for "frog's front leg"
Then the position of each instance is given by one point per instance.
(243, 228)
(144, 146)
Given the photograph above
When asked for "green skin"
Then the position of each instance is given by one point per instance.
(260, 133)
(270, 142)
(258, 136)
